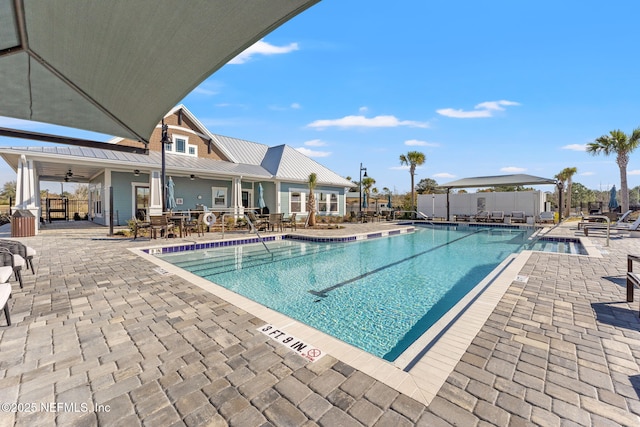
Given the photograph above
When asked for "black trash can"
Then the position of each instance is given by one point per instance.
(23, 223)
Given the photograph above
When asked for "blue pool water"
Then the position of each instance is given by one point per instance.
(379, 295)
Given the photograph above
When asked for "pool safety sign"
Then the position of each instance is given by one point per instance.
(303, 349)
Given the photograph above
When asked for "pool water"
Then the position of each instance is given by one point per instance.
(379, 295)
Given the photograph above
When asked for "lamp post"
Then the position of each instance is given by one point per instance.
(165, 139)
(365, 175)
(560, 185)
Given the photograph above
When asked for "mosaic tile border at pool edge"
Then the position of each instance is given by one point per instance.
(297, 237)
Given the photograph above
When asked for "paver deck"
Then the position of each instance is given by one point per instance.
(100, 336)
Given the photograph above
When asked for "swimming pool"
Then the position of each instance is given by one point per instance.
(379, 295)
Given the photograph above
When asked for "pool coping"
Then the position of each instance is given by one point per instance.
(422, 369)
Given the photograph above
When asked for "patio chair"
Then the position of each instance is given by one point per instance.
(258, 223)
(196, 225)
(518, 216)
(28, 255)
(13, 260)
(5, 291)
(496, 216)
(160, 223)
(462, 217)
(275, 221)
(290, 222)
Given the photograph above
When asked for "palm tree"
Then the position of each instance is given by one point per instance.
(311, 203)
(367, 183)
(622, 144)
(565, 176)
(412, 159)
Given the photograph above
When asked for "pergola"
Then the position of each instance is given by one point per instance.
(496, 181)
(116, 67)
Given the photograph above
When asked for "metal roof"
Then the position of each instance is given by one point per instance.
(498, 180)
(118, 67)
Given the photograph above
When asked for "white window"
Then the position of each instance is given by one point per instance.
(296, 202)
(322, 203)
(333, 203)
(219, 197)
(181, 145)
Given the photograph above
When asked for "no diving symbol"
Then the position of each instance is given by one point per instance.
(313, 353)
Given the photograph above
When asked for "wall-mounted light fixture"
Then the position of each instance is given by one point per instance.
(136, 172)
(199, 197)
(192, 177)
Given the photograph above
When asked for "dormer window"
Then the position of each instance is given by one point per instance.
(181, 146)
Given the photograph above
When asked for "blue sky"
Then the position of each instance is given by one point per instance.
(481, 88)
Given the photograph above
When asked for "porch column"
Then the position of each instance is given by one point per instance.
(155, 193)
(26, 196)
(236, 198)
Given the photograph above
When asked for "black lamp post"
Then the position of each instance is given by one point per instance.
(166, 139)
(365, 175)
(560, 185)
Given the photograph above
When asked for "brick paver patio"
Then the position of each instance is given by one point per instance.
(101, 337)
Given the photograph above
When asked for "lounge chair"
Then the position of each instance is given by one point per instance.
(625, 226)
(496, 216)
(600, 223)
(518, 216)
(546, 217)
(482, 216)
(463, 217)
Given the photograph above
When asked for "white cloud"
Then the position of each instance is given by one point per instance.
(363, 109)
(399, 168)
(295, 106)
(418, 143)
(575, 147)
(362, 121)
(311, 153)
(315, 143)
(443, 175)
(634, 172)
(263, 48)
(587, 173)
(512, 169)
(482, 110)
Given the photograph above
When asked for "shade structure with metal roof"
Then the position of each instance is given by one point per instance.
(498, 180)
(116, 67)
(495, 181)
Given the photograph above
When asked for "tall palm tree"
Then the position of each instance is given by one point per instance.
(565, 176)
(622, 144)
(412, 159)
(311, 202)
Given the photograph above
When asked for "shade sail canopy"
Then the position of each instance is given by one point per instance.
(498, 180)
(116, 67)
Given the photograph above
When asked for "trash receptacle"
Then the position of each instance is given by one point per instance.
(23, 224)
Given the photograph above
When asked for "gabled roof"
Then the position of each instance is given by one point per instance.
(498, 180)
(117, 67)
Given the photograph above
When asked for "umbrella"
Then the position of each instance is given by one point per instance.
(100, 67)
(613, 202)
(171, 198)
(261, 203)
(364, 201)
(389, 200)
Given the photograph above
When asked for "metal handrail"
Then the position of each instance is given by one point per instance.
(252, 228)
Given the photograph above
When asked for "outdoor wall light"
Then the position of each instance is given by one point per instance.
(136, 172)
(192, 177)
(199, 197)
